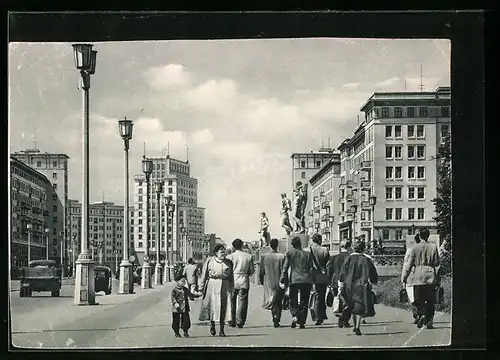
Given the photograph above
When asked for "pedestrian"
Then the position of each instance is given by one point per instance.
(218, 284)
(271, 265)
(420, 270)
(320, 257)
(335, 267)
(300, 280)
(191, 273)
(409, 288)
(180, 306)
(355, 283)
(243, 268)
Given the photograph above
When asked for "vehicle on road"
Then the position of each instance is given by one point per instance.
(102, 276)
(40, 275)
(136, 274)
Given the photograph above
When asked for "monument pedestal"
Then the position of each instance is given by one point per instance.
(84, 281)
(304, 239)
(126, 278)
(158, 274)
(146, 276)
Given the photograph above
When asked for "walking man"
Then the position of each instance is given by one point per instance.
(243, 268)
(300, 264)
(335, 267)
(191, 273)
(271, 265)
(320, 258)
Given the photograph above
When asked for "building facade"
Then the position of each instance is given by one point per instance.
(389, 168)
(323, 217)
(105, 232)
(193, 220)
(208, 244)
(29, 194)
(182, 189)
(55, 169)
(304, 166)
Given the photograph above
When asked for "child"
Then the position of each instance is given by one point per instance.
(180, 306)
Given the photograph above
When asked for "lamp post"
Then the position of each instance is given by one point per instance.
(170, 208)
(126, 285)
(354, 208)
(85, 62)
(159, 190)
(183, 237)
(62, 252)
(29, 228)
(147, 168)
(73, 250)
(47, 232)
(373, 202)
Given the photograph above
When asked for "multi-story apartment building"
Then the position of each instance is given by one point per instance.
(105, 232)
(55, 168)
(304, 166)
(208, 244)
(389, 169)
(323, 218)
(183, 192)
(193, 220)
(30, 191)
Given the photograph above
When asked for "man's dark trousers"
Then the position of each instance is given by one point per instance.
(299, 309)
(239, 307)
(277, 307)
(180, 321)
(425, 299)
(321, 290)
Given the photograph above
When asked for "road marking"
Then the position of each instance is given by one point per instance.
(413, 337)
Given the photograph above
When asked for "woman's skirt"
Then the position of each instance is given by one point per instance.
(360, 300)
(216, 305)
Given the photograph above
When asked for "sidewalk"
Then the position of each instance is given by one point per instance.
(15, 284)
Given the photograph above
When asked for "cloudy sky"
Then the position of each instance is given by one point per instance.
(241, 106)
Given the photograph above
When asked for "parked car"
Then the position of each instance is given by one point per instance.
(102, 277)
(40, 275)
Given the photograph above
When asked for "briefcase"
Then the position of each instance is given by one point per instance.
(403, 296)
(313, 305)
(329, 297)
(338, 305)
(286, 301)
(439, 295)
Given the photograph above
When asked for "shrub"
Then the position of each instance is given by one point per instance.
(387, 292)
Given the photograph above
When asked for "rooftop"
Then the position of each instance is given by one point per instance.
(38, 152)
(328, 165)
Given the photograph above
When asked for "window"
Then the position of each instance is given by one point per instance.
(169, 182)
(421, 172)
(421, 213)
(140, 222)
(38, 164)
(140, 228)
(421, 151)
(54, 197)
(54, 219)
(397, 131)
(410, 112)
(399, 234)
(140, 191)
(54, 175)
(445, 130)
(411, 192)
(140, 198)
(139, 243)
(54, 208)
(388, 152)
(302, 164)
(54, 186)
(398, 191)
(385, 112)
(421, 192)
(398, 172)
(398, 112)
(411, 213)
(411, 131)
(388, 193)
(397, 152)
(411, 172)
(385, 234)
(54, 163)
(388, 213)
(139, 214)
(411, 151)
(388, 172)
(445, 111)
(170, 190)
(399, 213)
(388, 131)
(420, 131)
(303, 175)
(139, 206)
(422, 111)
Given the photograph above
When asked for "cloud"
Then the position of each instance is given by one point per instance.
(351, 85)
(214, 94)
(388, 82)
(168, 76)
(202, 137)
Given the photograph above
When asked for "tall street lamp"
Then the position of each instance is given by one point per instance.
(354, 208)
(147, 168)
(73, 250)
(61, 234)
(29, 229)
(159, 190)
(85, 62)
(184, 248)
(373, 202)
(170, 208)
(126, 285)
(47, 232)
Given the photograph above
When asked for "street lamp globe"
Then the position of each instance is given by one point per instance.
(158, 187)
(125, 127)
(29, 227)
(93, 61)
(83, 56)
(373, 200)
(354, 208)
(47, 230)
(147, 166)
(171, 208)
(183, 229)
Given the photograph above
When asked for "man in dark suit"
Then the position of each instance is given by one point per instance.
(320, 257)
(334, 269)
(299, 263)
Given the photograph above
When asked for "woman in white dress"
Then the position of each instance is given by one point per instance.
(218, 284)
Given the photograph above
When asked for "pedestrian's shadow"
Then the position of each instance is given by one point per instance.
(51, 297)
(227, 335)
(381, 333)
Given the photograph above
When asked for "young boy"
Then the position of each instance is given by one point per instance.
(180, 306)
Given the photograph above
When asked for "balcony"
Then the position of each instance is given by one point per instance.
(351, 183)
(365, 205)
(317, 209)
(348, 197)
(366, 165)
(325, 230)
(366, 225)
(365, 184)
(310, 213)
(325, 217)
(325, 205)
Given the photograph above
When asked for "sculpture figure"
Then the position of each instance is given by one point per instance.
(300, 192)
(265, 237)
(286, 206)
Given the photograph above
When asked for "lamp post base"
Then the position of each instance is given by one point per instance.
(146, 276)
(84, 281)
(158, 274)
(126, 279)
(166, 274)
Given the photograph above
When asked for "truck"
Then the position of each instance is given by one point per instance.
(40, 275)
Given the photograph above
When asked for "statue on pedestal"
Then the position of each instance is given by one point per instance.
(286, 206)
(265, 237)
(300, 192)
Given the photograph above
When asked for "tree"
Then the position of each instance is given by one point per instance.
(442, 202)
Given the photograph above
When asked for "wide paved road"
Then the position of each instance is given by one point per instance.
(144, 320)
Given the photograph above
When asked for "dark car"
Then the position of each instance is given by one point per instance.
(40, 275)
(102, 276)
(136, 274)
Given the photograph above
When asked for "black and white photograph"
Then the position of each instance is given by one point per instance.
(253, 193)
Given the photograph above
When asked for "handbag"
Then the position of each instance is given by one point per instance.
(313, 304)
(338, 305)
(329, 297)
(403, 296)
(439, 295)
(286, 301)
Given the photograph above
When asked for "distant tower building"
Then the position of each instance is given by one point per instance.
(55, 169)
